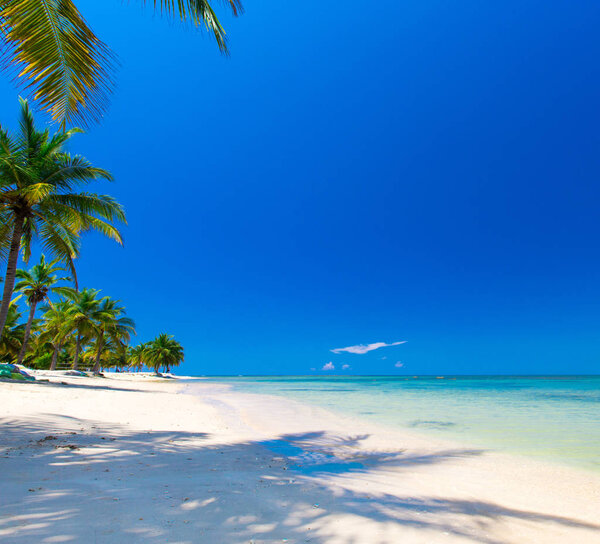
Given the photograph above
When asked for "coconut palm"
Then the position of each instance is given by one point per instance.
(38, 199)
(62, 62)
(89, 353)
(136, 356)
(83, 308)
(57, 326)
(119, 356)
(39, 353)
(111, 324)
(163, 351)
(12, 339)
(113, 354)
(36, 284)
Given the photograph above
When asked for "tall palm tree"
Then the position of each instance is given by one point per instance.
(83, 308)
(111, 325)
(36, 284)
(38, 199)
(12, 339)
(57, 326)
(165, 351)
(64, 64)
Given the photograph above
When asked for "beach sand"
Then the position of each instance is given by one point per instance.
(132, 458)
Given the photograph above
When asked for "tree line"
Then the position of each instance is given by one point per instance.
(41, 202)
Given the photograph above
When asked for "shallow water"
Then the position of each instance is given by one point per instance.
(550, 417)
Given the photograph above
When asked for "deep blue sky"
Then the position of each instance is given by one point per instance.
(423, 170)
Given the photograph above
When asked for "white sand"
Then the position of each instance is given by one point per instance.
(130, 459)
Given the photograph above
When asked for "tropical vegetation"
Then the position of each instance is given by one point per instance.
(41, 202)
(162, 352)
(36, 284)
(82, 330)
(12, 339)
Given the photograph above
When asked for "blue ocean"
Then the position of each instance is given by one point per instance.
(556, 418)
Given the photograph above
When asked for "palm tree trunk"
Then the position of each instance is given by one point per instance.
(77, 350)
(11, 269)
(96, 369)
(32, 307)
(55, 356)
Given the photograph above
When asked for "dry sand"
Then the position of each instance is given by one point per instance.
(135, 459)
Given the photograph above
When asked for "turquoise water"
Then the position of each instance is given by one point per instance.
(551, 417)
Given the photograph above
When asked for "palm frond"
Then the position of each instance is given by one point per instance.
(60, 241)
(25, 279)
(26, 120)
(63, 291)
(5, 234)
(69, 171)
(29, 230)
(82, 222)
(36, 191)
(104, 206)
(58, 57)
(93, 223)
(199, 13)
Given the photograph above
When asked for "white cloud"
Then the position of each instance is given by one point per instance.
(384, 358)
(365, 348)
(345, 367)
(399, 364)
(329, 366)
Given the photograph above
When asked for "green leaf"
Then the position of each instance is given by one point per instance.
(199, 12)
(58, 58)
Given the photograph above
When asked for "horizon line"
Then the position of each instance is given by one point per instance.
(391, 375)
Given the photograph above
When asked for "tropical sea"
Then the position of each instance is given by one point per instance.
(556, 418)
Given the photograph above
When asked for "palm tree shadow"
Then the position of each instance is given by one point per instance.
(188, 487)
(71, 385)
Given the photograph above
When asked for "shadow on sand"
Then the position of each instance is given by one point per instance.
(89, 482)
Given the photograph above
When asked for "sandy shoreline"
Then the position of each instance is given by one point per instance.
(132, 459)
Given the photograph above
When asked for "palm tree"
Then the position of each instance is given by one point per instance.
(113, 354)
(12, 339)
(36, 284)
(62, 62)
(119, 356)
(111, 325)
(37, 199)
(136, 356)
(40, 351)
(57, 326)
(165, 351)
(83, 308)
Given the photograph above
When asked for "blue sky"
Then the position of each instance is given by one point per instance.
(418, 171)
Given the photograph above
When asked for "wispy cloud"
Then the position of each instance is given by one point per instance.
(399, 364)
(328, 366)
(345, 367)
(365, 348)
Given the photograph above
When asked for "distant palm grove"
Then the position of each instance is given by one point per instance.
(41, 203)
